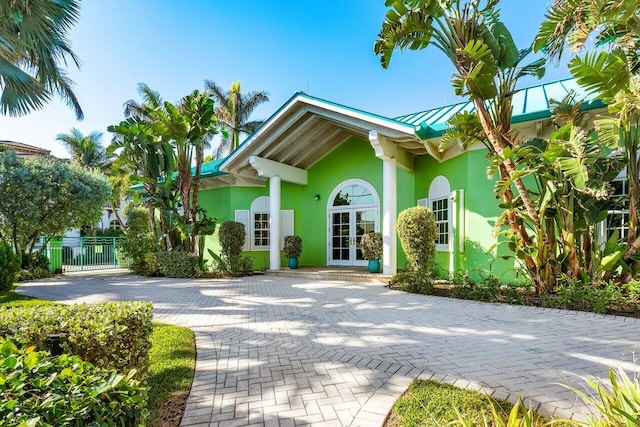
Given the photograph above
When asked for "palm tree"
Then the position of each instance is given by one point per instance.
(151, 100)
(86, 150)
(233, 111)
(33, 45)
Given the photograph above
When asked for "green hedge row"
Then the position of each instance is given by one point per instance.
(109, 335)
(37, 389)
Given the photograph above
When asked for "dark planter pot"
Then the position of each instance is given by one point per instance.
(374, 266)
(293, 263)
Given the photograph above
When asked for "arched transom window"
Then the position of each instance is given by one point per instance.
(354, 195)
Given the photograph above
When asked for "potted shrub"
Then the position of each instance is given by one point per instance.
(292, 250)
(371, 247)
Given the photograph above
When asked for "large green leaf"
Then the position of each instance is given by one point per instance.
(602, 73)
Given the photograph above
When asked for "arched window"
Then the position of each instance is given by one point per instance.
(440, 203)
(353, 209)
(260, 223)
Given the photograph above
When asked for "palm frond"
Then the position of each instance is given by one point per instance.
(404, 28)
(33, 39)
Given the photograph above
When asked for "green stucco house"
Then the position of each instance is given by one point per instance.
(330, 173)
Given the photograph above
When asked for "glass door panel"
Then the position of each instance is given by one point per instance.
(340, 236)
(365, 222)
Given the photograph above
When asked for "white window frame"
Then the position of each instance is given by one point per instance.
(260, 206)
(440, 189)
(447, 221)
(604, 226)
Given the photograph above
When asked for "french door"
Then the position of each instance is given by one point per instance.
(345, 231)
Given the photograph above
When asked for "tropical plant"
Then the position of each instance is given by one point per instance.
(188, 127)
(234, 110)
(163, 145)
(486, 59)
(371, 245)
(417, 232)
(33, 45)
(86, 150)
(519, 416)
(148, 160)
(545, 187)
(613, 75)
(292, 246)
(616, 404)
(43, 197)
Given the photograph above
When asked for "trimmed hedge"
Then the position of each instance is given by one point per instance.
(180, 264)
(418, 232)
(37, 389)
(114, 335)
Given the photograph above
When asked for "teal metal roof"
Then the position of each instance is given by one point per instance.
(531, 103)
(211, 168)
(208, 170)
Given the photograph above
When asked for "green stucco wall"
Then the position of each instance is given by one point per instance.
(355, 158)
(468, 172)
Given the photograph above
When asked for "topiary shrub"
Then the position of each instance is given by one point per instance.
(9, 266)
(40, 390)
(139, 243)
(232, 237)
(371, 246)
(178, 264)
(292, 246)
(417, 232)
(112, 335)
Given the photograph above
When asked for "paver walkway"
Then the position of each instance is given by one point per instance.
(288, 351)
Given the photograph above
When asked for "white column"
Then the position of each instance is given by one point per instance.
(389, 215)
(274, 231)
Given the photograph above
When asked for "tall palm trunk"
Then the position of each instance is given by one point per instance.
(544, 279)
(196, 188)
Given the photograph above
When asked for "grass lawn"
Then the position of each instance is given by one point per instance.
(429, 403)
(172, 357)
(173, 353)
(13, 299)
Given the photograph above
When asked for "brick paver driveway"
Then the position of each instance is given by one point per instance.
(287, 351)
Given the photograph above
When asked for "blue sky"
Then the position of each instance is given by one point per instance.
(281, 46)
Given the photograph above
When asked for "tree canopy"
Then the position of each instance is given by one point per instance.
(45, 198)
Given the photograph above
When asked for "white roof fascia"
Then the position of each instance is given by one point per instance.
(404, 129)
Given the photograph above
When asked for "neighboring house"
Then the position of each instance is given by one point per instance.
(330, 173)
(24, 150)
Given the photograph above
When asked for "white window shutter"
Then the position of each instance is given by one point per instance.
(242, 216)
(286, 225)
(424, 202)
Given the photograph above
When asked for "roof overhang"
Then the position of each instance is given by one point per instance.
(304, 130)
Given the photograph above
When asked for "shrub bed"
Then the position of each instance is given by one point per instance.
(38, 389)
(604, 297)
(109, 335)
